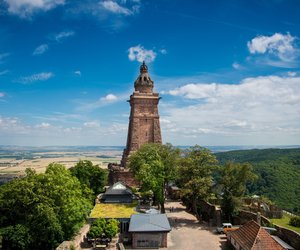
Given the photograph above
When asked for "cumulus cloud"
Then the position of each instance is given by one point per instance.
(43, 76)
(109, 98)
(257, 110)
(40, 49)
(279, 45)
(26, 8)
(140, 54)
(63, 35)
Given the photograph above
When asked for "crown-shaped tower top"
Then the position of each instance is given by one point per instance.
(143, 83)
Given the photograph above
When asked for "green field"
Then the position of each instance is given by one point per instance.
(284, 222)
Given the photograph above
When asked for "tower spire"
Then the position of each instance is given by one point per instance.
(143, 83)
(143, 68)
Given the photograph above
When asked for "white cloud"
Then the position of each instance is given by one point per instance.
(43, 76)
(114, 7)
(236, 66)
(26, 8)
(114, 14)
(63, 35)
(109, 98)
(14, 131)
(140, 54)
(77, 73)
(280, 45)
(195, 91)
(2, 94)
(40, 49)
(92, 124)
(261, 110)
(291, 73)
(103, 101)
(163, 51)
(43, 125)
(4, 72)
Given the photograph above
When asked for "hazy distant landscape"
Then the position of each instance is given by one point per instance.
(15, 159)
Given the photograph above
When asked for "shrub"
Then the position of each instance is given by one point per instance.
(295, 221)
(101, 227)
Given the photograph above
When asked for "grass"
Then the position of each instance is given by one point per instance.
(284, 222)
(113, 210)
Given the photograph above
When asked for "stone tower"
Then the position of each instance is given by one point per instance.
(144, 124)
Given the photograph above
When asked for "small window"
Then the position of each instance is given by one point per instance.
(145, 78)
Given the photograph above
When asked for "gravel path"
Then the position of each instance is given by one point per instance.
(187, 233)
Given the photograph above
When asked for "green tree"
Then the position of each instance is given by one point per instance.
(155, 165)
(295, 221)
(101, 227)
(16, 237)
(111, 228)
(90, 175)
(234, 177)
(97, 228)
(68, 200)
(278, 173)
(44, 208)
(195, 175)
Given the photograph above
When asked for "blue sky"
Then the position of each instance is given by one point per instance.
(227, 71)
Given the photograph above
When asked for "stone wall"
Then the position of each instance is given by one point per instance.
(245, 216)
(118, 173)
(289, 236)
(66, 245)
(161, 237)
(210, 213)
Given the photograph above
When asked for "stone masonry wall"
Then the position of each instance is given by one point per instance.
(66, 245)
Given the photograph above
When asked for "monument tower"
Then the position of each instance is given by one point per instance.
(144, 124)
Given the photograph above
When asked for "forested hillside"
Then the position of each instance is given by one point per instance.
(278, 171)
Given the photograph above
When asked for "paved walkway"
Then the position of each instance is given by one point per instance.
(188, 233)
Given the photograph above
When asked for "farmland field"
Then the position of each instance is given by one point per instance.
(15, 160)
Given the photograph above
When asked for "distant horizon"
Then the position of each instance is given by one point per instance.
(181, 146)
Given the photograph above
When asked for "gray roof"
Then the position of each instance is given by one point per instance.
(282, 243)
(118, 189)
(149, 223)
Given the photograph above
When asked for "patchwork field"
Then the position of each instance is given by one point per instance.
(14, 161)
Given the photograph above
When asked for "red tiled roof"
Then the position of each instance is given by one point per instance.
(251, 236)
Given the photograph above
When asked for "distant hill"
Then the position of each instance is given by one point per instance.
(278, 171)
